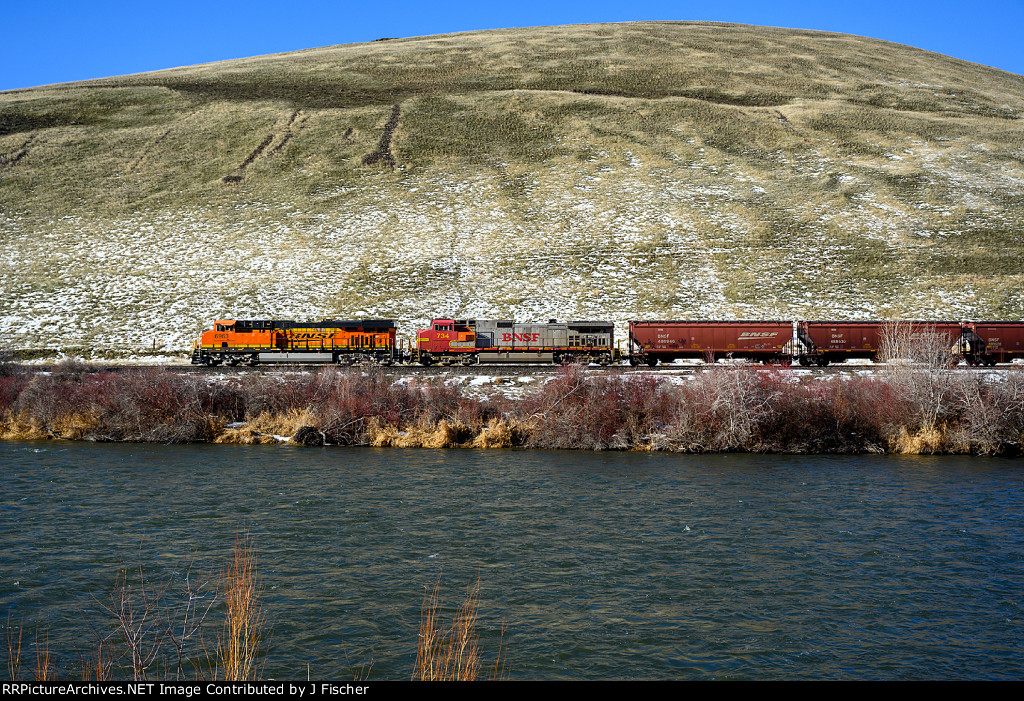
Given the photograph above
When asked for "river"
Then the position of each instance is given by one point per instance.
(595, 565)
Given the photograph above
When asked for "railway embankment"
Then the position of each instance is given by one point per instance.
(900, 409)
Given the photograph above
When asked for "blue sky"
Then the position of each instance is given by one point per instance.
(52, 41)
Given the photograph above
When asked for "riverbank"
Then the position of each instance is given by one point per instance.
(904, 409)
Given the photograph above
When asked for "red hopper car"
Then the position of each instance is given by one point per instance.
(665, 341)
(836, 341)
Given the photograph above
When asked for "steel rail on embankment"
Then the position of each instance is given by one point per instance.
(495, 369)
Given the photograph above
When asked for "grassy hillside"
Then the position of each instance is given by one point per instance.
(615, 171)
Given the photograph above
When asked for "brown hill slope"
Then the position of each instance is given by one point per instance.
(621, 171)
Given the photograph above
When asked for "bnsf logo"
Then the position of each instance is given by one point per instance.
(758, 334)
(308, 335)
(525, 337)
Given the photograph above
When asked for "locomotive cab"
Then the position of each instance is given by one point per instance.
(447, 340)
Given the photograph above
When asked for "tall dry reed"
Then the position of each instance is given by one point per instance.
(448, 653)
(244, 628)
(13, 650)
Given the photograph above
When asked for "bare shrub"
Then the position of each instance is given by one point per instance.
(139, 631)
(274, 394)
(573, 411)
(156, 630)
(723, 409)
(608, 411)
(918, 361)
(831, 415)
(47, 400)
(991, 415)
(163, 631)
(357, 407)
(72, 368)
(10, 388)
(153, 406)
(147, 405)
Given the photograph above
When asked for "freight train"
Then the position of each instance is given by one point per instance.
(480, 341)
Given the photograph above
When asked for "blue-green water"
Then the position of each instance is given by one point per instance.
(615, 565)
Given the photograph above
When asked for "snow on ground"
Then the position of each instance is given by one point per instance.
(585, 244)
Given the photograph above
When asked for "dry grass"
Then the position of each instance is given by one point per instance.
(499, 433)
(18, 426)
(448, 653)
(926, 441)
(150, 634)
(13, 639)
(44, 669)
(263, 428)
(443, 434)
(245, 623)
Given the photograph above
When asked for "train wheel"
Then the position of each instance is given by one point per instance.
(651, 362)
(822, 362)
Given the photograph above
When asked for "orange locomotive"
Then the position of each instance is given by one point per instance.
(235, 341)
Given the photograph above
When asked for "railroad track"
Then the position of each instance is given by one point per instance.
(507, 370)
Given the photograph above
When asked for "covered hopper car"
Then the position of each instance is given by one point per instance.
(827, 342)
(238, 341)
(664, 341)
(991, 342)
